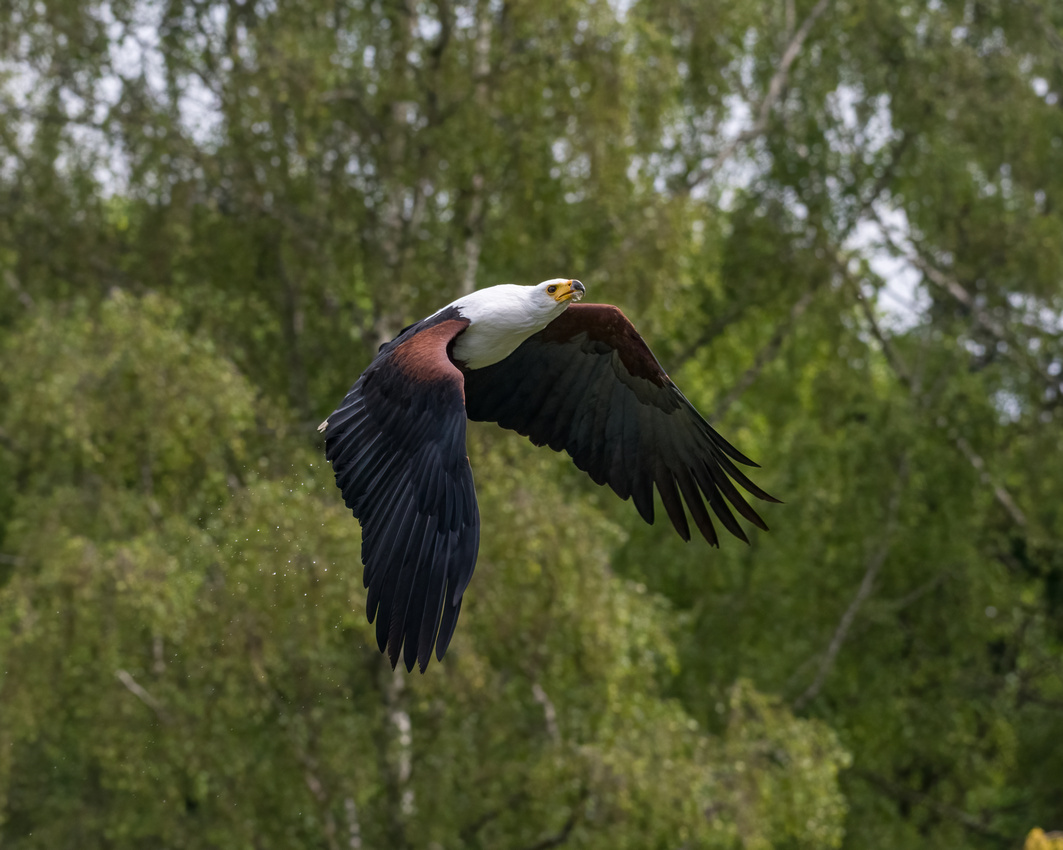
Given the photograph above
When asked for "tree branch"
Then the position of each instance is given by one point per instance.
(909, 795)
(921, 591)
(474, 218)
(899, 368)
(468, 833)
(733, 312)
(765, 355)
(354, 827)
(23, 297)
(776, 86)
(563, 834)
(976, 460)
(959, 293)
(1045, 26)
(549, 712)
(9, 443)
(867, 584)
(397, 746)
(141, 694)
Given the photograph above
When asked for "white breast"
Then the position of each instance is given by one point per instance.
(500, 319)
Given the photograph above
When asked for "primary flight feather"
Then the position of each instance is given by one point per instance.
(575, 377)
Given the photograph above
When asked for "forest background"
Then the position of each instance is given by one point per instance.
(838, 222)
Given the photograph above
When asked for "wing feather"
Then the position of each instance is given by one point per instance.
(588, 384)
(409, 590)
(433, 607)
(613, 446)
(397, 447)
(391, 552)
(447, 622)
(673, 505)
(697, 507)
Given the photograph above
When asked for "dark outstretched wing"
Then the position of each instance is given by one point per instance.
(588, 384)
(397, 446)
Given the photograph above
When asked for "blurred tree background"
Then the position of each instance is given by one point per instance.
(839, 224)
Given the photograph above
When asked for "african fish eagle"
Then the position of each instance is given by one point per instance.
(570, 376)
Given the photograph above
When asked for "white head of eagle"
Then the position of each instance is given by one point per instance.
(575, 377)
(502, 317)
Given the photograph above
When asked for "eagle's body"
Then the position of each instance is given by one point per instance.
(578, 378)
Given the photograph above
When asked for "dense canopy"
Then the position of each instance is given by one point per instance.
(840, 225)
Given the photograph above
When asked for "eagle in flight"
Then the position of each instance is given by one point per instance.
(576, 377)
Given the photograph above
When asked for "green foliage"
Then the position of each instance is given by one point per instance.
(63, 375)
(181, 667)
(786, 769)
(837, 223)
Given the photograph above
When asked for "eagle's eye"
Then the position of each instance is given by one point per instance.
(552, 289)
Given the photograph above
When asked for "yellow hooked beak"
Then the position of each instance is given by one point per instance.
(568, 290)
